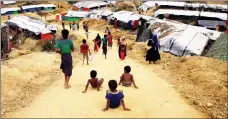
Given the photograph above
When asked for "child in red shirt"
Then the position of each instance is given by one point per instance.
(84, 50)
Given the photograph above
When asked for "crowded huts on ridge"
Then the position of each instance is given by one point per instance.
(169, 36)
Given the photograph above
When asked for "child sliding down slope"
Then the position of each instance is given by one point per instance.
(114, 97)
(94, 82)
(127, 79)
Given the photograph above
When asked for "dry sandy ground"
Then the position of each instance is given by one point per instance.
(154, 98)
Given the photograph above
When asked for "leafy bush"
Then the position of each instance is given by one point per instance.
(49, 45)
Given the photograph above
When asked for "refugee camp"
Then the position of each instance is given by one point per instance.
(114, 59)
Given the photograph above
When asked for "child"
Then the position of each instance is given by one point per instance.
(94, 82)
(96, 47)
(77, 26)
(109, 39)
(127, 79)
(104, 45)
(87, 31)
(118, 42)
(122, 52)
(114, 97)
(84, 49)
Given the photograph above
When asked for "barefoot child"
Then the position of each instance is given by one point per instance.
(104, 45)
(94, 82)
(65, 47)
(114, 97)
(84, 49)
(127, 79)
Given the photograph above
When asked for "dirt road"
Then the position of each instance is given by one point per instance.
(154, 98)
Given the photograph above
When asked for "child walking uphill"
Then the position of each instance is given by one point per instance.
(94, 82)
(84, 49)
(127, 79)
(114, 97)
(104, 45)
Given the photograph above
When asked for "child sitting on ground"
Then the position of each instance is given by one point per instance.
(94, 82)
(127, 79)
(114, 97)
(84, 49)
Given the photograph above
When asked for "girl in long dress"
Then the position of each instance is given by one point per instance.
(122, 49)
(96, 47)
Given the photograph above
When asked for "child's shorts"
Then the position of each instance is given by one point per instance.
(127, 84)
(85, 55)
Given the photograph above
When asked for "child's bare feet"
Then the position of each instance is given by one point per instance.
(67, 86)
(127, 109)
(105, 109)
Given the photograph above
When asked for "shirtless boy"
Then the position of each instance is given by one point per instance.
(94, 82)
(127, 79)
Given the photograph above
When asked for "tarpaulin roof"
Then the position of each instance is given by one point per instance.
(125, 16)
(196, 5)
(37, 6)
(150, 4)
(8, 2)
(186, 39)
(45, 30)
(222, 16)
(4, 10)
(80, 14)
(90, 4)
(176, 12)
(32, 25)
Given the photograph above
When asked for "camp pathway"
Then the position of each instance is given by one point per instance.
(154, 98)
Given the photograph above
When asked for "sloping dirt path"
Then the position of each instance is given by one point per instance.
(155, 98)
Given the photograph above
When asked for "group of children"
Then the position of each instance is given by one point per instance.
(113, 96)
(106, 41)
(72, 26)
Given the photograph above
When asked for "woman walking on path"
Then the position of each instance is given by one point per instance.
(122, 49)
(65, 47)
(153, 53)
(98, 38)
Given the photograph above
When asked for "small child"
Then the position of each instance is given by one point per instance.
(94, 82)
(118, 42)
(114, 97)
(84, 49)
(127, 79)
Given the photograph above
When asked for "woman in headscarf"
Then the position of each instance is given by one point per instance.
(98, 38)
(122, 49)
(153, 53)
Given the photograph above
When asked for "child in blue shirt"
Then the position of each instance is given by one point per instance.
(114, 97)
